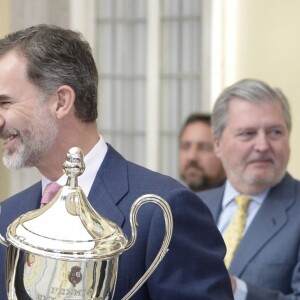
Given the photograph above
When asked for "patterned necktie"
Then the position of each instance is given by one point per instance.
(234, 231)
(50, 190)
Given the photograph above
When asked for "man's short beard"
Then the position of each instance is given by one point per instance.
(199, 185)
(16, 160)
(34, 142)
(196, 185)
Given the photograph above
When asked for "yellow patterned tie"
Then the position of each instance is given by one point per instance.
(234, 231)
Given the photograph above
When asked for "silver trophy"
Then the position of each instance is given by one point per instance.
(77, 259)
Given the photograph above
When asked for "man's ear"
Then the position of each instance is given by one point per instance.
(217, 147)
(65, 98)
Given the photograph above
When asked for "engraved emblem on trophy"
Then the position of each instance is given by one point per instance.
(78, 258)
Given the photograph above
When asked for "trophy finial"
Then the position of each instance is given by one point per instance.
(74, 166)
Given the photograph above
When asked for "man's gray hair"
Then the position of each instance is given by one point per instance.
(250, 90)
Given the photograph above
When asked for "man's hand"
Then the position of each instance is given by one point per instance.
(233, 283)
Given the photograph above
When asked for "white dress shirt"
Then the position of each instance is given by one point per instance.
(93, 161)
(229, 208)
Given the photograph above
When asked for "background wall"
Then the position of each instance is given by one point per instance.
(4, 16)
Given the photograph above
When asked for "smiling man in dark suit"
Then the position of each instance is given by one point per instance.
(251, 126)
(48, 104)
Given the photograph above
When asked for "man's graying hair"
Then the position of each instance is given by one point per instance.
(250, 90)
(56, 57)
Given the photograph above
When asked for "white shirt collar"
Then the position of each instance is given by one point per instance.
(230, 193)
(93, 161)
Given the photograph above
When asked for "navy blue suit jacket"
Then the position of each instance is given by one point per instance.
(193, 267)
(268, 257)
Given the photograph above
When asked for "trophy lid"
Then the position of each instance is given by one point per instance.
(68, 227)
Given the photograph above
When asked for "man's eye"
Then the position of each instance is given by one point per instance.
(5, 104)
(184, 146)
(206, 147)
(275, 133)
(246, 133)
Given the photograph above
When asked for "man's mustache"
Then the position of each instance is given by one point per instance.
(194, 164)
(261, 158)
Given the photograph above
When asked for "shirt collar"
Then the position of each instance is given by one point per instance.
(93, 161)
(230, 193)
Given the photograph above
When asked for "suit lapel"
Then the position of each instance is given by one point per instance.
(270, 218)
(214, 201)
(32, 197)
(110, 186)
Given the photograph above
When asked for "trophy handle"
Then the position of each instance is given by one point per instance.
(164, 247)
(3, 241)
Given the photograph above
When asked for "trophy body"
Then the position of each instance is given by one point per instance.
(51, 279)
(67, 251)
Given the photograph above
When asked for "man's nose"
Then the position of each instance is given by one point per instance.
(262, 142)
(195, 157)
(192, 153)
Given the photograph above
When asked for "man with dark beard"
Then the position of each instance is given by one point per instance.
(199, 166)
(257, 208)
(48, 104)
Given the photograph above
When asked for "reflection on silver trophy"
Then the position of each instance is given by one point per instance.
(77, 259)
